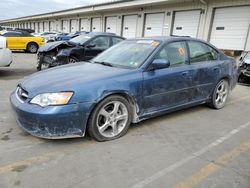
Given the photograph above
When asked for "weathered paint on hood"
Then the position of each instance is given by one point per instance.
(50, 46)
(69, 77)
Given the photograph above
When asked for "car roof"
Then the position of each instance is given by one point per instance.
(101, 33)
(166, 39)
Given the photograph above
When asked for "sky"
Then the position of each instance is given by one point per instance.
(18, 8)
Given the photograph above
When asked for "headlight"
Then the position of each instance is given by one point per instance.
(47, 99)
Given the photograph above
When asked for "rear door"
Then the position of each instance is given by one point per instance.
(205, 66)
(96, 46)
(169, 87)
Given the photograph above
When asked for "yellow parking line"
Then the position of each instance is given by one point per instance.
(212, 167)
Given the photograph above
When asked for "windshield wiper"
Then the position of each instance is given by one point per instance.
(104, 63)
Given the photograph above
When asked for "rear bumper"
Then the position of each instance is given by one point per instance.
(52, 122)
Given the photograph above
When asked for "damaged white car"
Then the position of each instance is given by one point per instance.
(5, 53)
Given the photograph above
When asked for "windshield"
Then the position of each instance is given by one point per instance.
(129, 54)
(80, 39)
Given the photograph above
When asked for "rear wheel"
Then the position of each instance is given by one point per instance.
(110, 119)
(32, 47)
(220, 95)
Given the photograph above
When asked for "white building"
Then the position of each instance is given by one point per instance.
(225, 23)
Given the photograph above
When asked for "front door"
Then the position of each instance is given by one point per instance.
(96, 46)
(169, 87)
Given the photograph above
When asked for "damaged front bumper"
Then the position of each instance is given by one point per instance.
(51, 60)
(52, 122)
(245, 70)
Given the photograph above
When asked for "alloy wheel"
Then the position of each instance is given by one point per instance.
(112, 119)
(221, 94)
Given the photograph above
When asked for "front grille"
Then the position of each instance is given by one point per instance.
(21, 94)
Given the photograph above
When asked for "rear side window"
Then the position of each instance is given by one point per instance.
(200, 52)
(175, 53)
(116, 40)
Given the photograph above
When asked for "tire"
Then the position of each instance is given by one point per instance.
(107, 122)
(32, 47)
(72, 60)
(220, 95)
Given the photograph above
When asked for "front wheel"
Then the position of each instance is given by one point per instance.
(110, 119)
(220, 95)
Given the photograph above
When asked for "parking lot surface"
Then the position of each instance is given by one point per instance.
(197, 147)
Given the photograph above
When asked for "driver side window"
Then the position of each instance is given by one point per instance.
(100, 42)
(175, 53)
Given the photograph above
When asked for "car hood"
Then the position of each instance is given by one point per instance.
(52, 45)
(69, 77)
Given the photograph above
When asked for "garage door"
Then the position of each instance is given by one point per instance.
(36, 27)
(73, 25)
(96, 24)
(111, 24)
(129, 26)
(65, 26)
(52, 26)
(41, 28)
(46, 26)
(154, 24)
(230, 28)
(85, 24)
(186, 23)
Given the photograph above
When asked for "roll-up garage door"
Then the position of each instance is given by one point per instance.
(85, 24)
(96, 24)
(129, 26)
(36, 27)
(186, 23)
(154, 24)
(111, 24)
(230, 28)
(52, 26)
(73, 25)
(46, 26)
(65, 26)
(41, 28)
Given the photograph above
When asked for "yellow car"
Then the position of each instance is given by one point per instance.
(19, 40)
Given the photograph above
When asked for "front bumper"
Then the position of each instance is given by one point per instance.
(52, 122)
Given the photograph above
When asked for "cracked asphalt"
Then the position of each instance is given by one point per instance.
(196, 147)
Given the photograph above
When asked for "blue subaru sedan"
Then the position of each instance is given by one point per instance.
(132, 81)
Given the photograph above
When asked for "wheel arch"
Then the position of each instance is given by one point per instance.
(132, 101)
(31, 42)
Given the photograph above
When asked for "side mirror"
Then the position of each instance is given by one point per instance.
(90, 46)
(160, 64)
(241, 58)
